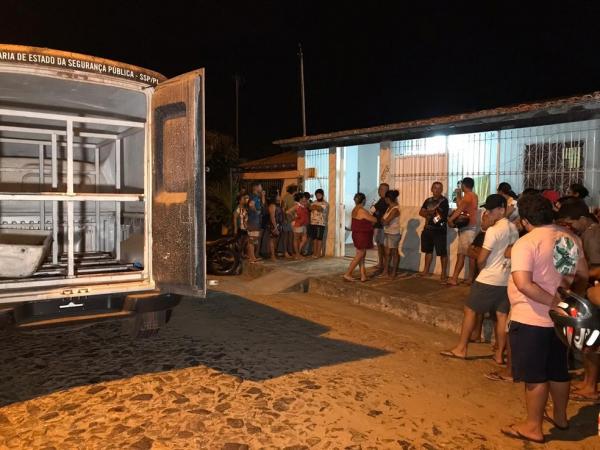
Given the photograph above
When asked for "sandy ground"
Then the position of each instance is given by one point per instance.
(243, 371)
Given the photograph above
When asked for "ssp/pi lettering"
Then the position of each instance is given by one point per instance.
(148, 79)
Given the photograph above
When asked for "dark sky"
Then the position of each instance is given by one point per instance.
(366, 63)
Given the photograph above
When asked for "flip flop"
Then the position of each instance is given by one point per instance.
(578, 398)
(514, 434)
(502, 364)
(495, 376)
(450, 354)
(551, 421)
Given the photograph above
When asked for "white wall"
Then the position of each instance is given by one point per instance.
(411, 257)
(350, 183)
(474, 155)
(368, 165)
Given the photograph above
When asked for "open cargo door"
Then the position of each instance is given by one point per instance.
(178, 225)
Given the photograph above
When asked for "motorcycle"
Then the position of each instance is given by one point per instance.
(224, 256)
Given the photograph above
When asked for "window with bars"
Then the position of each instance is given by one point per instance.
(269, 186)
(316, 163)
(554, 165)
(418, 163)
(549, 156)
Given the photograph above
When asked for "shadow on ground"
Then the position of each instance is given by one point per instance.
(227, 333)
(581, 426)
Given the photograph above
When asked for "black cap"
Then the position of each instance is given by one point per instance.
(494, 201)
(574, 210)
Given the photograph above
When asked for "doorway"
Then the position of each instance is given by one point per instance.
(359, 173)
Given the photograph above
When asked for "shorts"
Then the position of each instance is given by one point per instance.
(466, 236)
(299, 230)
(486, 298)
(379, 236)
(316, 232)
(286, 227)
(391, 240)
(254, 235)
(479, 239)
(434, 239)
(537, 354)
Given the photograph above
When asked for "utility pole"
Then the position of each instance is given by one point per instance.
(238, 80)
(301, 56)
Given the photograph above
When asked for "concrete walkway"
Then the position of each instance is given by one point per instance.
(420, 299)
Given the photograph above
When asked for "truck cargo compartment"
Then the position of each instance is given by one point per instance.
(73, 184)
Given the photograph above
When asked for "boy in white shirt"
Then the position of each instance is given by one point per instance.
(489, 292)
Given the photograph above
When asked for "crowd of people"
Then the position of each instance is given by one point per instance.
(289, 226)
(519, 252)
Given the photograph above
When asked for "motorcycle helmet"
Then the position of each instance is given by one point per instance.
(576, 321)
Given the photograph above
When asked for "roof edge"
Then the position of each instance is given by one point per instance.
(439, 121)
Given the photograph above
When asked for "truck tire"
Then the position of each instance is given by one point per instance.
(147, 324)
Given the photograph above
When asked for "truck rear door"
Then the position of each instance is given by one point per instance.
(178, 209)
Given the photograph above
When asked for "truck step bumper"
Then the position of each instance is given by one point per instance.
(76, 311)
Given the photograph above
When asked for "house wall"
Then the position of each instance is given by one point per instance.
(333, 218)
(513, 143)
(489, 157)
(317, 161)
(368, 165)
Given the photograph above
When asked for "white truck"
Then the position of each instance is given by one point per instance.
(101, 190)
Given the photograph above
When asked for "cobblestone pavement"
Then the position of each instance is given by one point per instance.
(291, 371)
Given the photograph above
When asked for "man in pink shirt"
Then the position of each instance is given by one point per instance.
(547, 257)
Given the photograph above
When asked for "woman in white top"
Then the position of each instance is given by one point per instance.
(392, 233)
(240, 227)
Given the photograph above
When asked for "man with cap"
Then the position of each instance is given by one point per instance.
(488, 293)
(576, 216)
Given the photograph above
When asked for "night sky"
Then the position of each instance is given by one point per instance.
(366, 63)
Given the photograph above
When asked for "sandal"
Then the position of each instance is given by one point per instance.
(516, 434)
(551, 421)
(450, 354)
(495, 376)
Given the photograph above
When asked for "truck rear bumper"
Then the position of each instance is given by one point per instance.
(76, 311)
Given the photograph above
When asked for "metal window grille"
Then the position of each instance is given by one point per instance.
(317, 162)
(269, 186)
(548, 157)
(554, 165)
